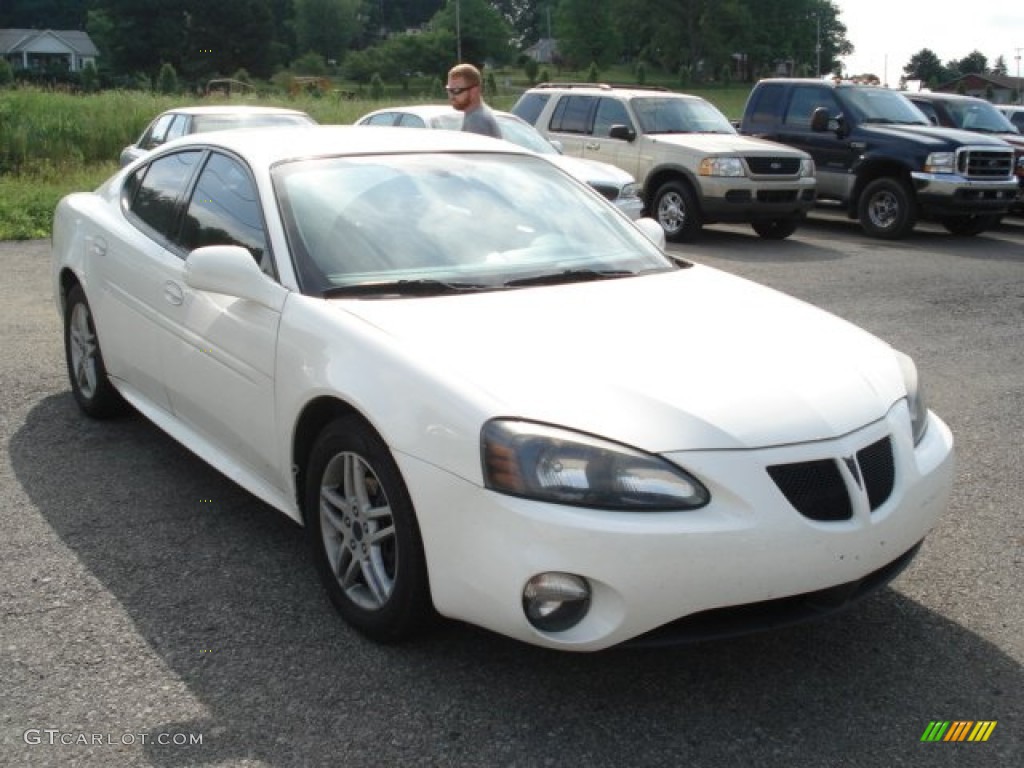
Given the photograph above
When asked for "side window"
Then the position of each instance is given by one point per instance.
(530, 105)
(572, 114)
(929, 111)
(153, 192)
(178, 128)
(411, 121)
(225, 210)
(610, 112)
(767, 106)
(155, 135)
(384, 118)
(805, 101)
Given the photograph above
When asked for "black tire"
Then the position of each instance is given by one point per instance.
(364, 535)
(968, 226)
(775, 229)
(887, 209)
(92, 389)
(675, 208)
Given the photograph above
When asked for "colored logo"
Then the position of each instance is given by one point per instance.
(959, 730)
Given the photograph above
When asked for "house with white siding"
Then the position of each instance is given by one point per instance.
(43, 49)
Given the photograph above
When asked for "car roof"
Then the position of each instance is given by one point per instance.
(624, 90)
(231, 109)
(267, 146)
(934, 96)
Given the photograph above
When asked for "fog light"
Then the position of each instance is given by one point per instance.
(554, 602)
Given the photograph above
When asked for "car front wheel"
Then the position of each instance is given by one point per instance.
(364, 534)
(93, 392)
(887, 209)
(775, 229)
(675, 208)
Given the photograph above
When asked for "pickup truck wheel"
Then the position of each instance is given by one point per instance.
(967, 226)
(887, 209)
(676, 210)
(775, 229)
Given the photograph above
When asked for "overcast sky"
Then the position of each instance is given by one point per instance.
(886, 33)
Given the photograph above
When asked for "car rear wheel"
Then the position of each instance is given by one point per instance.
(93, 392)
(887, 209)
(775, 229)
(363, 531)
(967, 226)
(675, 208)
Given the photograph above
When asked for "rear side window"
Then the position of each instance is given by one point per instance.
(154, 191)
(157, 132)
(573, 114)
(530, 105)
(610, 112)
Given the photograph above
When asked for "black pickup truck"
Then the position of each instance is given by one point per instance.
(879, 156)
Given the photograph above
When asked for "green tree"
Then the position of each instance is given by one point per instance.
(973, 63)
(925, 65)
(482, 33)
(167, 80)
(6, 73)
(90, 78)
(586, 32)
(327, 26)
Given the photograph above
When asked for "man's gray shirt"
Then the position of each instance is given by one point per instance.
(481, 120)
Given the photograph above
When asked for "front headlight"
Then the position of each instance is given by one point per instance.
(630, 190)
(915, 397)
(721, 166)
(546, 463)
(939, 162)
(807, 167)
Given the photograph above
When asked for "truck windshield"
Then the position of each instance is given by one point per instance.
(879, 105)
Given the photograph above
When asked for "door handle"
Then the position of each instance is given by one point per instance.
(173, 293)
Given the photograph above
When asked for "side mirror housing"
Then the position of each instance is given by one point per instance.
(231, 270)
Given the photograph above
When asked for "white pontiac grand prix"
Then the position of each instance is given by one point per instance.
(488, 395)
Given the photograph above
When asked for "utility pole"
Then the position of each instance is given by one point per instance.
(458, 33)
(1020, 95)
(817, 46)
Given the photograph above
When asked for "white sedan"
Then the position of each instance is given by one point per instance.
(490, 396)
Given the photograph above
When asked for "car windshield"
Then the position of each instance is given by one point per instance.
(880, 105)
(207, 123)
(674, 115)
(417, 223)
(980, 116)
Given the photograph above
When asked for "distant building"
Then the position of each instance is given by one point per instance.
(544, 51)
(42, 49)
(999, 89)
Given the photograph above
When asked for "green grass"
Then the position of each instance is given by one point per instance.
(53, 143)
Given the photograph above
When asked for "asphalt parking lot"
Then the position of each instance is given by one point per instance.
(154, 614)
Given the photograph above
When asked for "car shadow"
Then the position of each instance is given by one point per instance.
(220, 586)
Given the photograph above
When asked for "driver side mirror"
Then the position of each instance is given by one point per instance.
(623, 132)
(819, 120)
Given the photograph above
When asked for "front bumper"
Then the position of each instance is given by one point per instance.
(742, 200)
(940, 194)
(646, 570)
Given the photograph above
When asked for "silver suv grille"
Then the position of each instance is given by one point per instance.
(984, 163)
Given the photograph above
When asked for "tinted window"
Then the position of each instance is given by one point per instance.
(178, 128)
(928, 110)
(155, 135)
(530, 105)
(572, 114)
(224, 210)
(767, 104)
(384, 118)
(411, 121)
(805, 101)
(158, 187)
(610, 112)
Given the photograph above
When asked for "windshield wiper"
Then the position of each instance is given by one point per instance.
(420, 287)
(568, 276)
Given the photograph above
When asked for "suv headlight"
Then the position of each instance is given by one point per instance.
(807, 167)
(915, 397)
(940, 162)
(722, 166)
(546, 463)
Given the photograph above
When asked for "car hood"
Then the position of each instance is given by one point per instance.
(592, 171)
(935, 137)
(692, 359)
(732, 143)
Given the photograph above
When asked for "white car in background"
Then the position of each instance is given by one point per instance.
(487, 394)
(201, 119)
(612, 182)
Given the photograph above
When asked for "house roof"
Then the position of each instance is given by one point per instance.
(18, 40)
(999, 81)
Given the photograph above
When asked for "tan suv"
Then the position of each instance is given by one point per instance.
(694, 167)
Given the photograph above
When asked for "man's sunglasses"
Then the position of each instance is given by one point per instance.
(457, 91)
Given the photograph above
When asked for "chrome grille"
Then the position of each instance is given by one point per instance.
(985, 163)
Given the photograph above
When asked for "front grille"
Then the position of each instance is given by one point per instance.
(878, 470)
(817, 491)
(776, 195)
(984, 163)
(773, 166)
(814, 488)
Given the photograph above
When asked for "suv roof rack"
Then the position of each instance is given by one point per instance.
(604, 86)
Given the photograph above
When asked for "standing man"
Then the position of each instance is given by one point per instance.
(464, 93)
